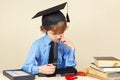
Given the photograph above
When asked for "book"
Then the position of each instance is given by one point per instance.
(106, 62)
(18, 74)
(105, 69)
(106, 75)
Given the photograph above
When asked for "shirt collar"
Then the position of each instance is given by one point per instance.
(46, 40)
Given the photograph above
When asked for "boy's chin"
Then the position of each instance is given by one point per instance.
(56, 41)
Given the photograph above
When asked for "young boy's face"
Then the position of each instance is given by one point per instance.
(54, 36)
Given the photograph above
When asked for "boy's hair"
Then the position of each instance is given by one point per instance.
(58, 28)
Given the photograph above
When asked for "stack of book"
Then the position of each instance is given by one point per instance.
(106, 67)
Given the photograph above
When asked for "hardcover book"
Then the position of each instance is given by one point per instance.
(106, 75)
(18, 74)
(106, 62)
(105, 69)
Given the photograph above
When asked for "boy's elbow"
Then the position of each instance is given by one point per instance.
(31, 70)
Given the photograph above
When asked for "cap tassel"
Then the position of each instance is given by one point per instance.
(67, 17)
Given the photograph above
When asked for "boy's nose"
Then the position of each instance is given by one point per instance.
(59, 36)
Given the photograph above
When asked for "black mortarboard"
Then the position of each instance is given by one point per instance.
(52, 15)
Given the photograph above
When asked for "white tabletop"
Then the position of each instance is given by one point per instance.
(2, 77)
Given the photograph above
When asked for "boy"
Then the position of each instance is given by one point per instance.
(38, 61)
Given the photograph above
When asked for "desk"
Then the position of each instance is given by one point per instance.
(2, 77)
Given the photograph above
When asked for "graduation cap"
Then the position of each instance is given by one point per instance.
(53, 15)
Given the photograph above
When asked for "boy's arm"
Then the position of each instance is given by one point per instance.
(69, 57)
(69, 53)
(30, 64)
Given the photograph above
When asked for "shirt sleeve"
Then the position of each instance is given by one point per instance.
(69, 57)
(30, 64)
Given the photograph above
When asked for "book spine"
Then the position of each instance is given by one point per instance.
(97, 73)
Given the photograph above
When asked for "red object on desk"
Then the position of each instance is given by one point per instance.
(70, 77)
(80, 73)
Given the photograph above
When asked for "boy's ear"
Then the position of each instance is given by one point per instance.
(43, 29)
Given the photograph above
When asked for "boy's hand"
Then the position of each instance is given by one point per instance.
(47, 69)
(67, 42)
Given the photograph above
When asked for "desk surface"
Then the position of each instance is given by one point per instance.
(2, 77)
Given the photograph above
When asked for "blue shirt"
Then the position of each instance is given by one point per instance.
(39, 54)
